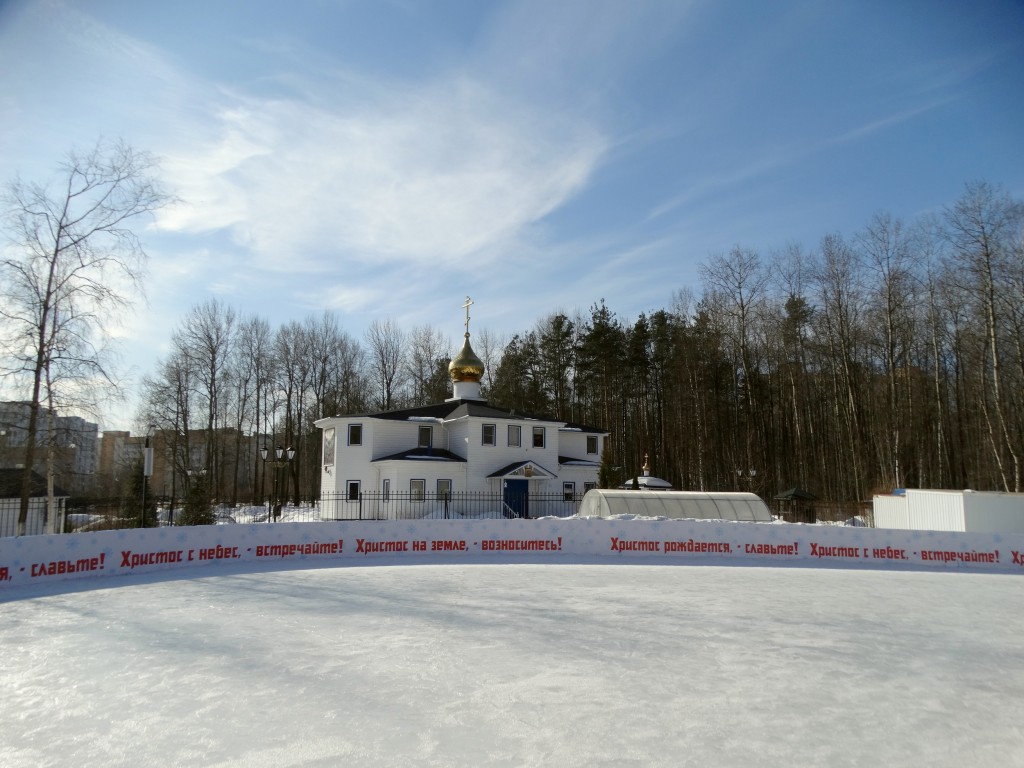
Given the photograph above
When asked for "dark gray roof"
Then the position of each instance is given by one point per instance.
(578, 462)
(796, 494)
(10, 485)
(455, 409)
(422, 454)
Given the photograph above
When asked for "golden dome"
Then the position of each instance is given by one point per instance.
(466, 366)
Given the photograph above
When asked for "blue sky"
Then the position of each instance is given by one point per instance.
(385, 159)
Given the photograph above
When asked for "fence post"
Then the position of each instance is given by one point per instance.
(360, 505)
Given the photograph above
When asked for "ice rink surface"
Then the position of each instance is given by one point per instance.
(516, 665)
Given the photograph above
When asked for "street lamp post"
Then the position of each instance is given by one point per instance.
(193, 507)
(281, 458)
(747, 475)
(147, 470)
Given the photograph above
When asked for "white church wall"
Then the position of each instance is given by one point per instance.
(351, 462)
(390, 437)
(547, 456)
(578, 476)
(574, 443)
(458, 437)
(484, 460)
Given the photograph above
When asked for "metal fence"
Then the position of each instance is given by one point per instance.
(36, 523)
(107, 514)
(468, 505)
(103, 514)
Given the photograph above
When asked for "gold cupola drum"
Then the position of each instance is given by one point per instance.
(466, 369)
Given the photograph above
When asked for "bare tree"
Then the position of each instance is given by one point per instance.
(489, 346)
(253, 363)
(885, 248)
(206, 339)
(427, 350)
(386, 344)
(71, 263)
(735, 286)
(983, 228)
(168, 403)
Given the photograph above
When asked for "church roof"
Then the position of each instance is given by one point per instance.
(422, 454)
(449, 409)
(564, 460)
(457, 409)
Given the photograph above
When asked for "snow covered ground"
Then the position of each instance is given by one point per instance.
(575, 664)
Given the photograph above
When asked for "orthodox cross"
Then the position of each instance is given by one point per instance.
(466, 307)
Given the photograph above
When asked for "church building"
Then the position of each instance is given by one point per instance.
(460, 458)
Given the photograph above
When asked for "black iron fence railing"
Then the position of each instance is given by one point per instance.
(454, 506)
(106, 514)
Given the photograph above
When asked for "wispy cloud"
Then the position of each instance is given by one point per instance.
(882, 123)
(771, 159)
(432, 173)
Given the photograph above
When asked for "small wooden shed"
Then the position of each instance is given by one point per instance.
(796, 505)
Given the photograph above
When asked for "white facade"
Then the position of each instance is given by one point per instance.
(963, 511)
(456, 447)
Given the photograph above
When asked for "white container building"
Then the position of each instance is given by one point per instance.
(960, 511)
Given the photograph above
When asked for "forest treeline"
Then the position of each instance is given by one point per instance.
(889, 357)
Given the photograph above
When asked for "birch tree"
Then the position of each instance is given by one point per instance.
(72, 260)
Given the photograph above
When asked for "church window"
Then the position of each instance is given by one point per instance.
(487, 437)
(515, 435)
(444, 490)
(568, 491)
(417, 490)
(355, 434)
(589, 487)
(386, 490)
(329, 447)
(538, 437)
(426, 437)
(592, 444)
(352, 490)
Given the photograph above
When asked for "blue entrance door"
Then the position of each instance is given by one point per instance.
(517, 498)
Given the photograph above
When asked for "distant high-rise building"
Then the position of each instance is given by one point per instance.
(75, 443)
